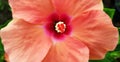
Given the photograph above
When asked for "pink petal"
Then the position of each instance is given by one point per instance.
(75, 7)
(24, 42)
(33, 11)
(70, 50)
(95, 29)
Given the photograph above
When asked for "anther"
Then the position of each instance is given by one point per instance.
(60, 27)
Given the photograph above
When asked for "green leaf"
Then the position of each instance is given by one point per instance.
(110, 12)
(1, 52)
(3, 25)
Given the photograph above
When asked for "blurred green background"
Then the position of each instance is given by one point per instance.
(110, 8)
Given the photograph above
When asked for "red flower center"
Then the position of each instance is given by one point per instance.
(58, 26)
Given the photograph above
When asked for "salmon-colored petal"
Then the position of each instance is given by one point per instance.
(70, 50)
(95, 29)
(75, 7)
(24, 42)
(33, 11)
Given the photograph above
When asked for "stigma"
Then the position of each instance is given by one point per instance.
(60, 27)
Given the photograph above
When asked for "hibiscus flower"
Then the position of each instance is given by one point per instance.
(58, 31)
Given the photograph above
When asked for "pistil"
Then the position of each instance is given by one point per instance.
(60, 27)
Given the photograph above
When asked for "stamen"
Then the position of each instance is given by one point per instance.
(60, 27)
